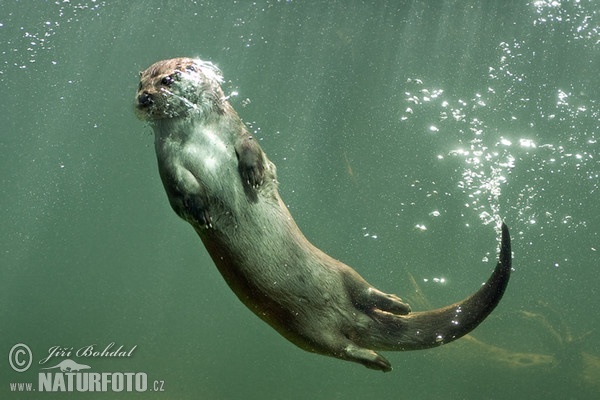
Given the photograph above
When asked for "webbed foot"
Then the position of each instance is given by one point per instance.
(386, 302)
(366, 357)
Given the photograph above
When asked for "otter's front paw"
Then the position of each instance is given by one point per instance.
(252, 174)
(250, 163)
(197, 213)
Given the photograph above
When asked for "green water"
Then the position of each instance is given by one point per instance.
(401, 131)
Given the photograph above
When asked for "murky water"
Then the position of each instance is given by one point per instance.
(402, 132)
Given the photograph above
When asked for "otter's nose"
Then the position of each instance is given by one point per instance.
(145, 99)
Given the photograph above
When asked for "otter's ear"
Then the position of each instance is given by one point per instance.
(140, 73)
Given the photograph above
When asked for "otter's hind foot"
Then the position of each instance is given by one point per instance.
(366, 357)
(385, 302)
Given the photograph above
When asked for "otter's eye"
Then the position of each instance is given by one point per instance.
(170, 79)
(191, 68)
(167, 80)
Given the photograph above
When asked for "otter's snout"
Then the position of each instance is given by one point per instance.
(145, 100)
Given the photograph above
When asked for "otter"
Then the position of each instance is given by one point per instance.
(218, 179)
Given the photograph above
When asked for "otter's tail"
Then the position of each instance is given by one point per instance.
(421, 330)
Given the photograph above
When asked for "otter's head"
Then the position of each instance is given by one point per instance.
(179, 87)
